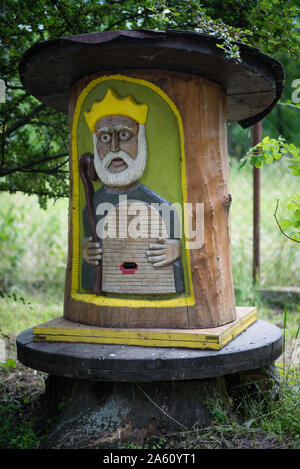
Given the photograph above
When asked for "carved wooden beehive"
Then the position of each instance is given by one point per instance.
(191, 90)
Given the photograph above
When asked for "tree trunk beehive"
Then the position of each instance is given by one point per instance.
(201, 107)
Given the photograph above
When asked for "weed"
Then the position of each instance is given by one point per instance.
(13, 435)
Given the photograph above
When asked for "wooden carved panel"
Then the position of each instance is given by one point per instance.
(125, 265)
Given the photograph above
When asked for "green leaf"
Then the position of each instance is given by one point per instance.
(10, 363)
(269, 159)
(286, 223)
(242, 164)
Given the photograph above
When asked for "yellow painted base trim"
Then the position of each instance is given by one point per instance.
(63, 330)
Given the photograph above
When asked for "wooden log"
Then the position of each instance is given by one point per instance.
(202, 107)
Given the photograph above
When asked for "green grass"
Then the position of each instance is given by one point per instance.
(33, 250)
(12, 436)
(19, 314)
(33, 244)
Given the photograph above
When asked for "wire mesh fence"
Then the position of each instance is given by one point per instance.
(279, 257)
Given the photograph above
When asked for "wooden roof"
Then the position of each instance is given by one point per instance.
(253, 85)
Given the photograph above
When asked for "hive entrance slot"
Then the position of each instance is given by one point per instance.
(128, 267)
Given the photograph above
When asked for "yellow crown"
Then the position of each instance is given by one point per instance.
(112, 105)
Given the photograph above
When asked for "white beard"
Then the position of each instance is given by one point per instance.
(135, 166)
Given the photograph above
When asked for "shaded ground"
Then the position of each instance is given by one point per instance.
(28, 411)
(26, 425)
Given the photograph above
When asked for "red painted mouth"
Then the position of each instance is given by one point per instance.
(117, 162)
(128, 267)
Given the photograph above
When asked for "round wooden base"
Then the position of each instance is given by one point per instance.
(117, 394)
(256, 347)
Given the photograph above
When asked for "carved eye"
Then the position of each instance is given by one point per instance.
(105, 138)
(124, 135)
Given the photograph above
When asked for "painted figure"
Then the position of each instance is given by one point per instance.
(146, 264)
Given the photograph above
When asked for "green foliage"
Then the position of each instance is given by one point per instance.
(33, 246)
(279, 258)
(268, 151)
(12, 435)
(9, 362)
(286, 415)
(272, 23)
(283, 120)
(34, 138)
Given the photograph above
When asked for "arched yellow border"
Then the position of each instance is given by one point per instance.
(92, 297)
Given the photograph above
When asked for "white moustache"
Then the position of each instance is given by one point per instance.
(109, 157)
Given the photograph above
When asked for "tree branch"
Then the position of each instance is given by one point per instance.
(6, 172)
(53, 171)
(287, 236)
(2, 147)
(24, 120)
(294, 106)
(38, 193)
(47, 171)
(125, 18)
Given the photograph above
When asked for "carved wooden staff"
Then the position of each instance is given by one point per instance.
(87, 173)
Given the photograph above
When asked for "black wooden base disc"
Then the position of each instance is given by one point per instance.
(258, 346)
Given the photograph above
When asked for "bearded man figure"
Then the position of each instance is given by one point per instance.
(147, 246)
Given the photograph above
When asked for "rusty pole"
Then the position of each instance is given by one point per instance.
(257, 137)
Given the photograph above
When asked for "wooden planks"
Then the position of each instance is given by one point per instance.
(61, 330)
(130, 249)
(145, 279)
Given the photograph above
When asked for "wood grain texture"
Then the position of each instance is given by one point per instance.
(202, 106)
(116, 251)
(62, 330)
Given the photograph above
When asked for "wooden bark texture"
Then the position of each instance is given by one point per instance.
(202, 106)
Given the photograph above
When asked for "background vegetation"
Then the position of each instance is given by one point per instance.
(33, 241)
(34, 138)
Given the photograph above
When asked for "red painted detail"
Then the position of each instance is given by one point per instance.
(128, 270)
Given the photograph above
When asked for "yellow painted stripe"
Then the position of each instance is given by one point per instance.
(130, 341)
(98, 299)
(144, 337)
(122, 334)
(229, 335)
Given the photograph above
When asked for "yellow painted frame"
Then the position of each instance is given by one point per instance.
(103, 300)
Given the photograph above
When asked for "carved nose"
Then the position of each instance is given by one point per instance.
(115, 142)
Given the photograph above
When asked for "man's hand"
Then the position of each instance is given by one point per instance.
(164, 252)
(91, 251)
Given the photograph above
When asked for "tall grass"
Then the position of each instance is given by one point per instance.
(33, 244)
(33, 252)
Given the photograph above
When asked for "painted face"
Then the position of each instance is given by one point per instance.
(116, 134)
(120, 150)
